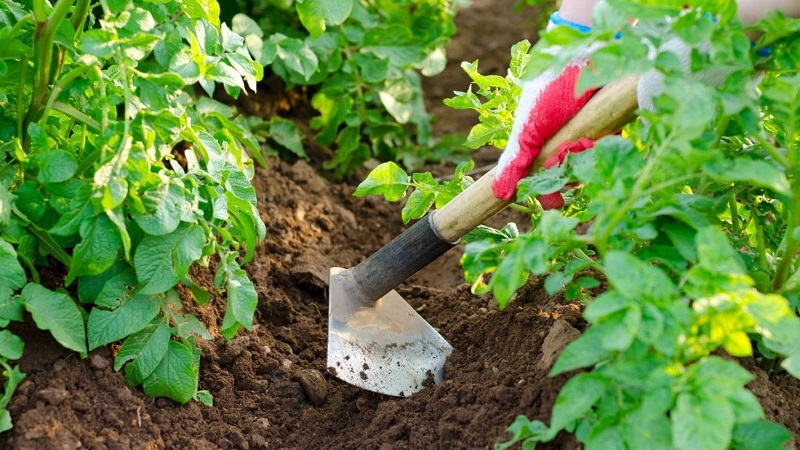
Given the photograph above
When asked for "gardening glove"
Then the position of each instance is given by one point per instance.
(547, 103)
(555, 200)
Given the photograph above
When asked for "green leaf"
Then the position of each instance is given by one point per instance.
(296, 55)
(57, 312)
(11, 346)
(98, 249)
(701, 422)
(576, 398)
(12, 277)
(636, 279)
(188, 325)
(176, 374)
(104, 327)
(56, 166)
(168, 201)
(314, 14)
(582, 352)
(160, 260)
(418, 204)
(145, 350)
(525, 256)
(286, 133)
(760, 435)
(204, 397)
(388, 179)
(544, 182)
(481, 134)
(242, 298)
(716, 253)
(754, 171)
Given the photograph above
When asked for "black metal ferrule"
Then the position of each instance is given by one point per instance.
(406, 255)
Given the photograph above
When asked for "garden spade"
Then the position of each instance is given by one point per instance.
(376, 340)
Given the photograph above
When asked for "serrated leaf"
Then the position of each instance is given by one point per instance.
(144, 350)
(388, 179)
(104, 327)
(523, 256)
(58, 313)
(175, 377)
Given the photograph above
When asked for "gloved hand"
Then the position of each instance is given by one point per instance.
(547, 103)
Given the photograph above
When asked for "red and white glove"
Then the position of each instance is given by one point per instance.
(547, 103)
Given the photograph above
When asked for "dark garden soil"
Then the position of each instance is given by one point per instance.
(270, 386)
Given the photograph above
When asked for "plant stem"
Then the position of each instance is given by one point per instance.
(792, 243)
(733, 205)
(62, 83)
(44, 34)
(760, 243)
(46, 240)
(77, 115)
(773, 152)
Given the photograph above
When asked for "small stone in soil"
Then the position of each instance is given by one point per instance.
(314, 386)
(98, 361)
(54, 396)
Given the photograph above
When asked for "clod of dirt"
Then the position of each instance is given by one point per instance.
(233, 349)
(561, 334)
(311, 269)
(99, 362)
(53, 396)
(314, 386)
(307, 177)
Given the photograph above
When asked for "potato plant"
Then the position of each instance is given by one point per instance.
(692, 217)
(114, 170)
(362, 61)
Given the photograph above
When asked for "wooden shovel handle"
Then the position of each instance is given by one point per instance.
(608, 110)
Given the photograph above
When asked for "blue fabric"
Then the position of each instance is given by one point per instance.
(556, 19)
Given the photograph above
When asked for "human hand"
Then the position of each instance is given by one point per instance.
(546, 104)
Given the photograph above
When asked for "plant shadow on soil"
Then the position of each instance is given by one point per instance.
(270, 387)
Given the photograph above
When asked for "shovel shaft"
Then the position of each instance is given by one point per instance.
(608, 111)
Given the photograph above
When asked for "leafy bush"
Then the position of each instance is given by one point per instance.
(692, 217)
(363, 60)
(110, 167)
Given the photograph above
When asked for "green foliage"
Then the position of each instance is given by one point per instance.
(111, 167)
(496, 113)
(389, 180)
(692, 216)
(364, 60)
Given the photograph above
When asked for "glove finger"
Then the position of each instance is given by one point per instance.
(566, 148)
(551, 201)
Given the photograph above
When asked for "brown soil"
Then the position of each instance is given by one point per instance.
(270, 387)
